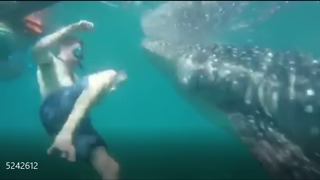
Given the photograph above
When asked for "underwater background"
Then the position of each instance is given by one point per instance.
(150, 129)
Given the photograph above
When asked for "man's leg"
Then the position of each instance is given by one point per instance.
(104, 164)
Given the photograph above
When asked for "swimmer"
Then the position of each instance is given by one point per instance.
(68, 100)
(18, 30)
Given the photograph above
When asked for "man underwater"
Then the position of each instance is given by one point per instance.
(67, 100)
(18, 30)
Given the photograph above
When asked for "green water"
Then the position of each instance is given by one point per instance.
(149, 128)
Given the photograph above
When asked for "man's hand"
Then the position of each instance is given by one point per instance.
(119, 78)
(63, 143)
(83, 26)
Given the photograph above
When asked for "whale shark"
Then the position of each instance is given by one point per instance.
(271, 98)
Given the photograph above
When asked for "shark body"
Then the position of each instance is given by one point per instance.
(272, 99)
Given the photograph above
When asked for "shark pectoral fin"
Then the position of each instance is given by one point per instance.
(283, 158)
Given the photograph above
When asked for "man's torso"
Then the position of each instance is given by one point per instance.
(53, 76)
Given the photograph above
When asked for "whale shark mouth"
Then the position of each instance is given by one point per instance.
(257, 127)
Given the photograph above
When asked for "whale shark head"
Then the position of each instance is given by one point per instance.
(197, 69)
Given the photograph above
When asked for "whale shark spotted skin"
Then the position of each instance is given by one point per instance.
(272, 99)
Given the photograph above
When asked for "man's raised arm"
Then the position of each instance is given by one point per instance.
(44, 45)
